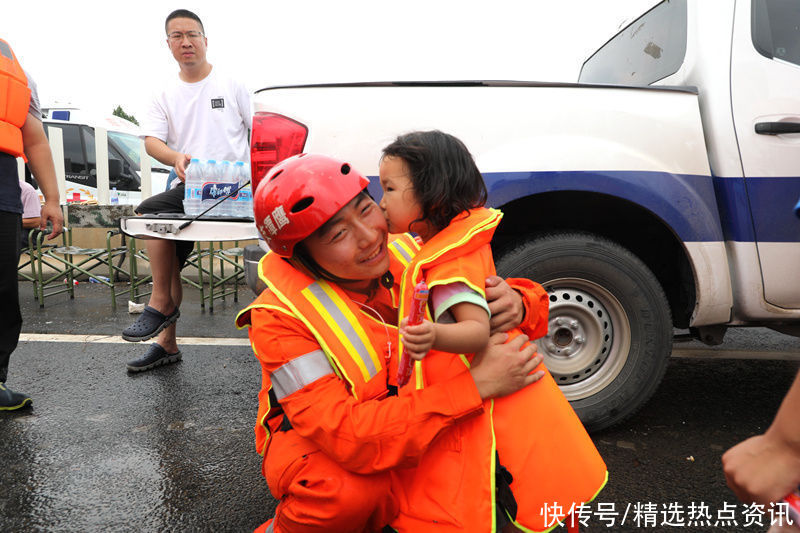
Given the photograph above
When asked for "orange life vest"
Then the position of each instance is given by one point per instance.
(15, 97)
(356, 343)
(535, 432)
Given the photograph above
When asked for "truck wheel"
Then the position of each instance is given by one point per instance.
(610, 329)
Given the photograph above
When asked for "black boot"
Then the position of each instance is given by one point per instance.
(10, 400)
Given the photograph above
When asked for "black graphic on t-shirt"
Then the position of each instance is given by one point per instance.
(217, 103)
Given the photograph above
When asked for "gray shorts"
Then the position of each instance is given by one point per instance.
(170, 201)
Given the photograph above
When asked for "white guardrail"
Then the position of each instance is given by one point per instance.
(101, 154)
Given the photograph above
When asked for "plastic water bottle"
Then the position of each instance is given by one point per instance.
(229, 182)
(187, 191)
(194, 184)
(244, 200)
(114, 196)
(245, 207)
(209, 184)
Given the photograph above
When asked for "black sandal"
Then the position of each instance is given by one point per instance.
(155, 356)
(149, 324)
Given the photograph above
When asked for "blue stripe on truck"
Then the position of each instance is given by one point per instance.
(697, 208)
(668, 196)
(771, 201)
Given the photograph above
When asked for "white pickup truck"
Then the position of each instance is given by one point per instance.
(654, 194)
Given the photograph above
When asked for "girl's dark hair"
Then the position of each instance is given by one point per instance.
(445, 178)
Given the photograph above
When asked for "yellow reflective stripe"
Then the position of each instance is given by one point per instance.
(471, 233)
(337, 367)
(402, 251)
(399, 253)
(373, 362)
(341, 323)
(263, 423)
(261, 274)
(493, 462)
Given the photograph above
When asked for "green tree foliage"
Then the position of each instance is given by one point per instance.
(119, 112)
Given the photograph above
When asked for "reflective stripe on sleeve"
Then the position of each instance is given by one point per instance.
(299, 372)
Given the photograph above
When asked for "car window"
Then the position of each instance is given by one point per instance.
(131, 146)
(775, 29)
(75, 165)
(127, 179)
(128, 144)
(91, 153)
(649, 49)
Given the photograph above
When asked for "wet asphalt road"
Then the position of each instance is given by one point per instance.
(172, 449)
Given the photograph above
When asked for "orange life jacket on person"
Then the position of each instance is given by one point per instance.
(535, 432)
(15, 97)
(356, 343)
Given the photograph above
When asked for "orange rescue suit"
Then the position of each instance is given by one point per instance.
(15, 97)
(534, 432)
(344, 413)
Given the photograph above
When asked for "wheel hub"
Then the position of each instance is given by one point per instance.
(579, 337)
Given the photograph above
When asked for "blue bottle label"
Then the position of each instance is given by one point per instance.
(213, 190)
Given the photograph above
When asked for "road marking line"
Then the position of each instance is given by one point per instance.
(708, 353)
(116, 339)
(682, 353)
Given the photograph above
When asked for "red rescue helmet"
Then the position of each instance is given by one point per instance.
(299, 195)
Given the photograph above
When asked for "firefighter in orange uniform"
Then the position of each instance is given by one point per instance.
(329, 428)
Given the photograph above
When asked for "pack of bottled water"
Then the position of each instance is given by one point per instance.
(207, 182)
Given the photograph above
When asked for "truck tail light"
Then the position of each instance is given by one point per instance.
(273, 139)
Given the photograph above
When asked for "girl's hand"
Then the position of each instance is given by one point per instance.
(418, 340)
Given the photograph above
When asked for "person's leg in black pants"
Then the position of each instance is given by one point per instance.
(11, 323)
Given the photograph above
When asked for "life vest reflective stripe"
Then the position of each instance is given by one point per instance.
(356, 348)
(343, 323)
(285, 295)
(403, 250)
(299, 372)
(15, 97)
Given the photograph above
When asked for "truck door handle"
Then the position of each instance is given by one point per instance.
(777, 128)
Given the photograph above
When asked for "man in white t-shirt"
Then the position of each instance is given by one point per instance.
(201, 114)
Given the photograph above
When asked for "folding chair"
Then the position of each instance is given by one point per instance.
(204, 260)
(59, 277)
(29, 262)
(231, 257)
(73, 261)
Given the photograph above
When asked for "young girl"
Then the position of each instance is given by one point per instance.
(433, 188)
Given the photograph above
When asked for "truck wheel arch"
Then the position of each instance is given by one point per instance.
(638, 230)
